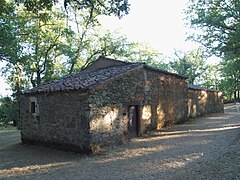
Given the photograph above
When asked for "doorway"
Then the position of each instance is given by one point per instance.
(133, 121)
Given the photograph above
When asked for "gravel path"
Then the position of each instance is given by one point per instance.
(203, 148)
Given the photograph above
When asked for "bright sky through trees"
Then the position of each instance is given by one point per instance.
(4, 88)
(156, 22)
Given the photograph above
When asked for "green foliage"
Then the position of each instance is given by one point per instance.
(83, 19)
(191, 65)
(142, 53)
(30, 44)
(8, 111)
(41, 42)
(101, 7)
(211, 78)
(217, 25)
(230, 84)
(117, 46)
(37, 5)
(8, 31)
(39, 46)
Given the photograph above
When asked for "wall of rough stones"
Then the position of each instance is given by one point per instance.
(161, 98)
(202, 102)
(81, 121)
(109, 104)
(62, 120)
(84, 120)
(165, 99)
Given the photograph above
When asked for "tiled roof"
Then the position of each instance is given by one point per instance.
(83, 79)
(196, 87)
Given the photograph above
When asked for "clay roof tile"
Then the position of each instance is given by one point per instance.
(82, 80)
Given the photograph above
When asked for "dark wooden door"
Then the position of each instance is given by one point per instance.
(133, 121)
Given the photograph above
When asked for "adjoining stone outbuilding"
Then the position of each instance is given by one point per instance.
(104, 104)
(202, 101)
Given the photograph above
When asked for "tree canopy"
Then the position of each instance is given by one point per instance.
(42, 40)
(230, 82)
(8, 111)
(190, 64)
(118, 8)
(103, 7)
(217, 25)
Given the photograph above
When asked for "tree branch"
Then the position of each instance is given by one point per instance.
(46, 53)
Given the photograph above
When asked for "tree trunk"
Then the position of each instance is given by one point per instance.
(71, 68)
(38, 77)
(235, 95)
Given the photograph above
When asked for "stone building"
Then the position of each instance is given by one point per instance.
(202, 101)
(104, 104)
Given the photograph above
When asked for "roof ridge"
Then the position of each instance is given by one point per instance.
(198, 87)
(111, 59)
(82, 79)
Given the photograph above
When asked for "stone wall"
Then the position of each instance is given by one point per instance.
(201, 102)
(165, 100)
(81, 121)
(161, 99)
(109, 104)
(60, 121)
(84, 120)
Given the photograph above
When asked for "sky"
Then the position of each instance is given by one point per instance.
(158, 23)
(4, 87)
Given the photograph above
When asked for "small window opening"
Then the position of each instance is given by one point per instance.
(33, 107)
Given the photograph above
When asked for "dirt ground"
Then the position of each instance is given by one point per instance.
(203, 148)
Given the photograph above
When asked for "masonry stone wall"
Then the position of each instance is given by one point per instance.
(161, 98)
(165, 100)
(61, 120)
(81, 120)
(202, 102)
(109, 104)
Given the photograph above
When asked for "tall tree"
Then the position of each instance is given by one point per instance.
(42, 46)
(118, 8)
(230, 83)
(139, 52)
(35, 40)
(211, 78)
(217, 25)
(39, 17)
(8, 111)
(83, 18)
(101, 42)
(191, 64)
(10, 47)
(101, 7)
(7, 30)
(38, 45)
